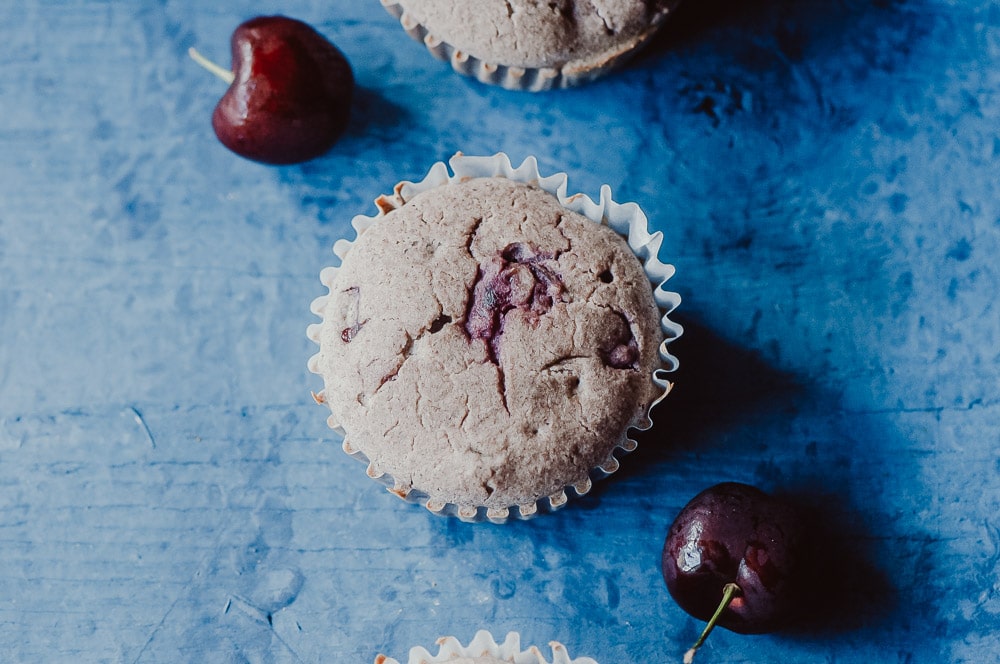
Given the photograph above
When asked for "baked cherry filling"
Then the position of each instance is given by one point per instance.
(515, 279)
(520, 277)
(348, 333)
(621, 350)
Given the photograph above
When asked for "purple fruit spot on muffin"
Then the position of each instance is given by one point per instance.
(623, 356)
(517, 278)
(348, 333)
(621, 350)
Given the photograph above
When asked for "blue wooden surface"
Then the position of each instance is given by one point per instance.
(826, 178)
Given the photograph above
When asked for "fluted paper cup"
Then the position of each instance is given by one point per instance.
(484, 650)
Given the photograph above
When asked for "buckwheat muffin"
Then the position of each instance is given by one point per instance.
(486, 347)
(531, 44)
(484, 650)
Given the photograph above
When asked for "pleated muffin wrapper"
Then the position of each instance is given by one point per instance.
(484, 648)
(530, 79)
(626, 219)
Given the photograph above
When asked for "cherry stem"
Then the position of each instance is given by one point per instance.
(729, 591)
(221, 72)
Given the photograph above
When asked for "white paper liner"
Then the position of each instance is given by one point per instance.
(530, 79)
(626, 219)
(483, 645)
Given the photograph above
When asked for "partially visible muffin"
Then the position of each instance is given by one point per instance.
(529, 44)
(486, 348)
(484, 650)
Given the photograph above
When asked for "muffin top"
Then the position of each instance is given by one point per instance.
(485, 346)
(537, 33)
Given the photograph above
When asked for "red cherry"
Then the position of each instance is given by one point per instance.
(290, 92)
(735, 556)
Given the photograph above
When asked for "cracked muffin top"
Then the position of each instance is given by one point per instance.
(485, 346)
(541, 33)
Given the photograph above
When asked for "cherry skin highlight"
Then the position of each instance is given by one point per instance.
(290, 96)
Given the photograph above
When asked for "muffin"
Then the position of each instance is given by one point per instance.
(531, 45)
(485, 347)
(484, 650)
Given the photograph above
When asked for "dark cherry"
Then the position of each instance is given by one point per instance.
(290, 92)
(733, 557)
